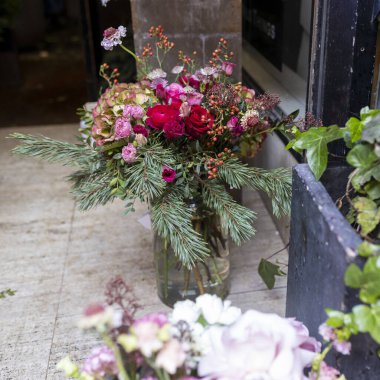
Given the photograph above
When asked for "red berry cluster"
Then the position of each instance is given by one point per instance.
(214, 133)
(220, 52)
(185, 59)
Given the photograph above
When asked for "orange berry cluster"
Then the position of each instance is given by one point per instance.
(212, 167)
(185, 58)
(163, 41)
(147, 50)
(220, 51)
(218, 131)
(110, 78)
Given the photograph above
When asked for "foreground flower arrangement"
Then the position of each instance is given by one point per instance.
(202, 339)
(175, 140)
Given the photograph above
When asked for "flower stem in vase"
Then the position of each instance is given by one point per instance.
(198, 279)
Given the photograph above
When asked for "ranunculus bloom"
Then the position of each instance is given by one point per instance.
(160, 114)
(228, 67)
(133, 111)
(129, 153)
(168, 174)
(139, 129)
(174, 129)
(198, 122)
(123, 128)
(174, 93)
(256, 346)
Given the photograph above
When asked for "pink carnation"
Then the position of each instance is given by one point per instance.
(123, 128)
(133, 111)
(100, 363)
(129, 153)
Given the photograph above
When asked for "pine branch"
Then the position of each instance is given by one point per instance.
(171, 219)
(235, 218)
(54, 151)
(144, 177)
(91, 189)
(277, 183)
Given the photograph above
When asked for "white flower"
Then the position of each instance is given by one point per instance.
(100, 317)
(104, 2)
(208, 71)
(186, 311)
(156, 73)
(177, 69)
(214, 310)
(171, 357)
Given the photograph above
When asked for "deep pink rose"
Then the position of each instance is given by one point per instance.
(174, 129)
(174, 93)
(139, 129)
(160, 114)
(198, 122)
(168, 174)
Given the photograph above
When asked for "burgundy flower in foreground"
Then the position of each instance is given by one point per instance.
(174, 129)
(168, 174)
(139, 129)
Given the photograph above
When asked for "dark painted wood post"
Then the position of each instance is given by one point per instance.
(342, 61)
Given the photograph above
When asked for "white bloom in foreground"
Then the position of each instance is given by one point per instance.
(177, 69)
(186, 311)
(257, 347)
(171, 357)
(215, 310)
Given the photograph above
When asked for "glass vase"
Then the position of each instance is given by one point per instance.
(175, 282)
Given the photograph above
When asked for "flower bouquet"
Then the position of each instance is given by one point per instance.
(175, 141)
(205, 339)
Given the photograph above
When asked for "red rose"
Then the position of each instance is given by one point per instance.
(198, 122)
(174, 129)
(159, 115)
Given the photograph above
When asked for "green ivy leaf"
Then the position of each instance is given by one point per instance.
(268, 272)
(315, 141)
(371, 130)
(355, 127)
(367, 249)
(361, 156)
(335, 318)
(364, 318)
(368, 215)
(353, 276)
(372, 188)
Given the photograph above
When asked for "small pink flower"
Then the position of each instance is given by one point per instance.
(174, 92)
(194, 98)
(327, 332)
(228, 67)
(343, 347)
(123, 128)
(101, 362)
(112, 37)
(129, 153)
(133, 111)
(234, 126)
(171, 357)
(168, 174)
(184, 110)
(326, 373)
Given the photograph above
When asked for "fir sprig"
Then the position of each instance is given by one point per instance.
(235, 218)
(54, 150)
(172, 220)
(91, 189)
(277, 183)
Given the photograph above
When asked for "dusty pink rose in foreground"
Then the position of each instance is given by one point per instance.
(129, 153)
